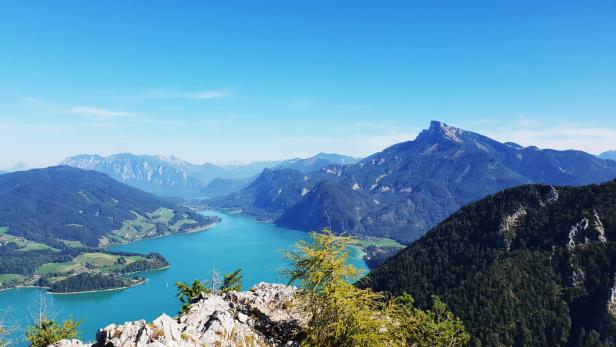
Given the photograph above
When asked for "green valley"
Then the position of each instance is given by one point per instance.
(163, 221)
(55, 224)
(63, 265)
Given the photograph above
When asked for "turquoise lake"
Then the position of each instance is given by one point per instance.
(237, 242)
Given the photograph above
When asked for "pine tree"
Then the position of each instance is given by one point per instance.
(232, 282)
(188, 292)
(46, 332)
(342, 314)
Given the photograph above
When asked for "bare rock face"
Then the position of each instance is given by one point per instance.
(506, 232)
(70, 343)
(261, 316)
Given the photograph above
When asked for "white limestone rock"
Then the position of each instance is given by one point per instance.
(261, 316)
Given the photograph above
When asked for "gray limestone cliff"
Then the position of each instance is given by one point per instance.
(262, 316)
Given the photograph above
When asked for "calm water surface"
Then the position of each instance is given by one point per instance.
(237, 242)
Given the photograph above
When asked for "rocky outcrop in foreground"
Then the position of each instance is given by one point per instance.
(261, 316)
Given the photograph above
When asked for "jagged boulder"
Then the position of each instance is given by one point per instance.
(70, 343)
(262, 316)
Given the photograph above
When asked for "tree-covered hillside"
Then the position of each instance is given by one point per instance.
(55, 221)
(530, 266)
(266, 196)
(65, 203)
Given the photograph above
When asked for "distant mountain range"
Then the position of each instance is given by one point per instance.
(409, 187)
(172, 176)
(316, 162)
(611, 155)
(63, 203)
(154, 174)
(20, 166)
(225, 186)
(530, 266)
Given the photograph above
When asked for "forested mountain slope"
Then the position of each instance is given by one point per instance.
(532, 265)
(66, 203)
(54, 223)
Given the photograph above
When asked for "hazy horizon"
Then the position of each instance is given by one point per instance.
(232, 162)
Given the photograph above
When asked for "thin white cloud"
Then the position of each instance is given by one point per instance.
(92, 112)
(198, 95)
(562, 136)
(211, 94)
(41, 104)
(98, 113)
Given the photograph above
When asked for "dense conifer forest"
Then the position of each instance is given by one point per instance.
(532, 265)
(92, 281)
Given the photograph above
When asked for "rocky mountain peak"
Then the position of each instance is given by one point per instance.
(170, 158)
(439, 130)
(262, 316)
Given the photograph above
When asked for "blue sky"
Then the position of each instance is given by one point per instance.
(251, 80)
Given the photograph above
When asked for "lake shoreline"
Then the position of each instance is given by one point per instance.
(94, 290)
(91, 291)
(99, 290)
(238, 242)
(361, 244)
(106, 249)
(145, 271)
(23, 287)
(190, 231)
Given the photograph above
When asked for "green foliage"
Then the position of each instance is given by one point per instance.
(46, 332)
(3, 339)
(320, 263)
(86, 281)
(58, 212)
(342, 314)
(152, 261)
(232, 282)
(26, 263)
(528, 286)
(435, 327)
(76, 205)
(188, 292)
